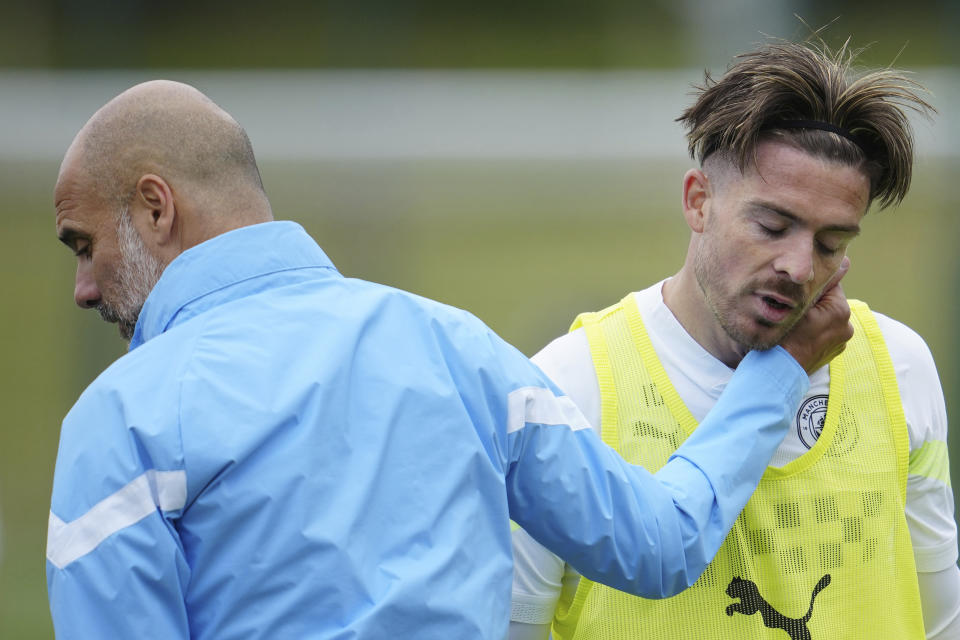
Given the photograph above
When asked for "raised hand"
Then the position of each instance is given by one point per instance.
(822, 333)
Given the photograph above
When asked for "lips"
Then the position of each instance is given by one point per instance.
(777, 301)
(775, 308)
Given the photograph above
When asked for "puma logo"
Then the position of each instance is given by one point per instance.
(751, 602)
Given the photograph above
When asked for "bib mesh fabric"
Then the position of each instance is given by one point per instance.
(821, 551)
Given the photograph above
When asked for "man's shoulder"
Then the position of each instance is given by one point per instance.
(138, 390)
(917, 380)
(409, 299)
(570, 355)
(895, 329)
(418, 312)
(562, 351)
(905, 345)
(148, 360)
(124, 422)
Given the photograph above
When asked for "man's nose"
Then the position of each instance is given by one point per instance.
(85, 291)
(796, 261)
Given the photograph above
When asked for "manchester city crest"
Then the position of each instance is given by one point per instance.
(810, 419)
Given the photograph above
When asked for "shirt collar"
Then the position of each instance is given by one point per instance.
(673, 344)
(229, 258)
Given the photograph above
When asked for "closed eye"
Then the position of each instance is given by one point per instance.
(773, 232)
(828, 250)
(832, 243)
(78, 243)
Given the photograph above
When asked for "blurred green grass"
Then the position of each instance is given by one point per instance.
(524, 245)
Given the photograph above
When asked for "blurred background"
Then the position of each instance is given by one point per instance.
(518, 159)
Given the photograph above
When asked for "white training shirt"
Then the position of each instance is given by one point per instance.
(699, 378)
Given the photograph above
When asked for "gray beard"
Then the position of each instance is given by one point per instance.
(137, 274)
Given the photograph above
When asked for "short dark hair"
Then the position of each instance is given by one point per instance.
(781, 83)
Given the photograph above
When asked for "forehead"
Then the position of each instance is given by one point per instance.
(74, 198)
(798, 180)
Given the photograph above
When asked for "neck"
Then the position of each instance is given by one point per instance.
(685, 300)
(209, 220)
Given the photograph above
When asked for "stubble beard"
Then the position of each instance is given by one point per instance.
(725, 307)
(137, 274)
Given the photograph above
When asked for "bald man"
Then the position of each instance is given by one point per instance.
(287, 453)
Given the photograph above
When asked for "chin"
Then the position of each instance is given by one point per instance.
(126, 330)
(754, 340)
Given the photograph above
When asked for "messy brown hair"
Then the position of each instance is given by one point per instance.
(766, 92)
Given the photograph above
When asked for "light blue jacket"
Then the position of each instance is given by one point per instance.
(287, 453)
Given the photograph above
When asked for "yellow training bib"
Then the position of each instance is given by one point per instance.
(821, 551)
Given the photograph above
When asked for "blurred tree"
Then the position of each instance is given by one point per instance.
(424, 33)
(436, 34)
(717, 31)
(102, 33)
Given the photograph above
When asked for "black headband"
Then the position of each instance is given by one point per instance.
(823, 126)
(807, 124)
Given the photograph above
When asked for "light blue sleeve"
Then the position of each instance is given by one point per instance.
(131, 586)
(650, 535)
(115, 566)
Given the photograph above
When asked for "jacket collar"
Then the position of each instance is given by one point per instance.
(219, 263)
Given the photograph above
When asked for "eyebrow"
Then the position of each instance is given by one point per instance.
(853, 229)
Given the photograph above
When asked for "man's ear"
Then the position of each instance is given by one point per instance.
(696, 199)
(157, 210)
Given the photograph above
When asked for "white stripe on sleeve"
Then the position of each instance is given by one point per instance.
(68, 541)
(539, 405)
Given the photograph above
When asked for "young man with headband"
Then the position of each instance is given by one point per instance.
(851, 532)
